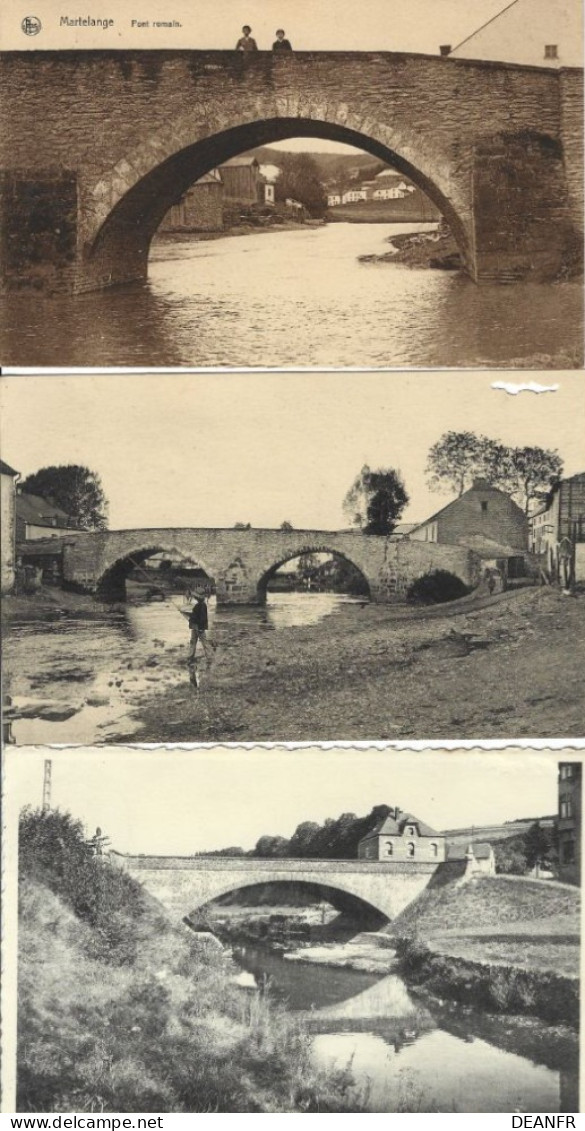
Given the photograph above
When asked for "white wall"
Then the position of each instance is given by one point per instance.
(520, 33)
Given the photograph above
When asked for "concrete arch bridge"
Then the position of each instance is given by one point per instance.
(185, 884)
(97, 145)
(241, 562)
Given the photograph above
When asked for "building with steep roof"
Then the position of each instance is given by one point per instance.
(402, 837)
(487, 521)
(542, 33)
(40, 518)
(557, 529)
(8, 478)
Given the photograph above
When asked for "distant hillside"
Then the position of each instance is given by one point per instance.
(333, 167)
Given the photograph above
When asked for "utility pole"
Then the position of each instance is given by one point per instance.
(47, 785)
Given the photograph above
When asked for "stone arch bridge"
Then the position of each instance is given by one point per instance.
(184, 884)
(241, 562)
(97, 145)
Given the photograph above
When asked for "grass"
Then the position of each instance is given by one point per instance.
(163, 1032)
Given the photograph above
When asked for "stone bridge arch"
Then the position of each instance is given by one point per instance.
(183, 885)
(111, 585)
(97, 145)
(314, 546)
(127, 204)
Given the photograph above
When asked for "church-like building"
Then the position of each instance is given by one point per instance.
(402, 837)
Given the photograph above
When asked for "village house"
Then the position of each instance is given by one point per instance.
(40, 518)
(390, 185)
(352, 196)
(200, 209)
(557, 530)
(569, 822)
(243, 182)
(542, 33)
(479, 857)
(333, 199)
(402, 837)
(8, 480)
(487, 521)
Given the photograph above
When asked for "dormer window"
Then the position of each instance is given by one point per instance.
(409, 830)
(551, 51)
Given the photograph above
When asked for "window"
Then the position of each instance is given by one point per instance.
(568, 852)
(566, 807)
(551, 51)
(409, 830)
(484, 507)
(567, 771)
(389, 848)
(434, 849)
(410, 849)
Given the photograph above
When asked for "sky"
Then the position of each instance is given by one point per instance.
(311, 25)
(183, 801)
(216, 449)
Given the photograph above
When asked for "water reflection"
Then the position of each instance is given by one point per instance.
(100, 667)
(401, 1057)
(296, 298)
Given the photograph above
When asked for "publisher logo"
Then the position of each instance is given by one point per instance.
(31, 25)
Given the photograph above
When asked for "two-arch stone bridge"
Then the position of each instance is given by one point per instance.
(185, 884)
(240, 562)
(97, 145)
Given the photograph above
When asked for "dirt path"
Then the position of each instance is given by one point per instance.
(512, 669)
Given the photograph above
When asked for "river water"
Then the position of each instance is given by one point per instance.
(401, 1057)
(296, 299)
(98, 668)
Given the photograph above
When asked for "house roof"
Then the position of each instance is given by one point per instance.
(387, 173)
(477, 485)
(33, 508)
(394, 824)
(5, 469)
(234, 161)
(487, 548)
(481, 850)
(484, 25)
(213, 177)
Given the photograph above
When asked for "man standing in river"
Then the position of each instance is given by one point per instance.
(199, 624)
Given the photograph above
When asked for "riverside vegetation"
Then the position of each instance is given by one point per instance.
(121, 1011)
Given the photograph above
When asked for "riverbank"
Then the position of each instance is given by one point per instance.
(150, 1020)
(364, 675)
(363, 672)
(163, 239)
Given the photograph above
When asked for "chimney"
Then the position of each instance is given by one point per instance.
(445, 49)
(397, 813)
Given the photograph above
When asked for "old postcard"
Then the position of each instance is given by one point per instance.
(217, 932)
(327, 557)
(312, 189)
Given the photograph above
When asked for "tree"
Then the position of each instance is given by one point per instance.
(271, 846)
(457, 458)
(538, 845)
(529, 473)
(375, 500)
(75, 489)
(286, 525)
(300, 179)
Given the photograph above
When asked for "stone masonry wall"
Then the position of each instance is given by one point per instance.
(131, 127)
(240, 561)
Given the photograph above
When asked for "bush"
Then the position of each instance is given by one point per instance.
(436, 587)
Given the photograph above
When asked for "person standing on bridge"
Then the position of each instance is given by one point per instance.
(199, 624)
(246, 43)
(280, 43)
